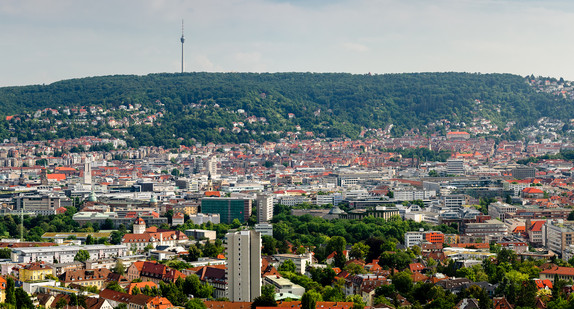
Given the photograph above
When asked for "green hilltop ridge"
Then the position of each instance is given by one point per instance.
(173, 109)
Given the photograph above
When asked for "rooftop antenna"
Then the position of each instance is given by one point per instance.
(182, 39)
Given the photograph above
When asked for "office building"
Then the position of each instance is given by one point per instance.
(229, 209)
(455, 167)
(40, 204)
(523, 172)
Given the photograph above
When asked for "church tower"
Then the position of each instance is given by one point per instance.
(139, 226)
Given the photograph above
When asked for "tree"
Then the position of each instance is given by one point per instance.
(194, 253)
(323, 276)
(337, 244)
(195, 303)
(60, 304)
(399, 260)
(506, 255)
(354, 269)
(114, 286)
(309, 299)
(527, 294)
(288, 265)
(116, 236)
(267, 298)
(359, 251)
(210, 249)
(403, 282)
(269, 245)
(82, 255)
(89, 240)
(10, 291)
(357, 300)
(23, 299)
(119, 268)
(333, 294)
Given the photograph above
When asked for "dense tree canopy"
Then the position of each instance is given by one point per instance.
(194, 105)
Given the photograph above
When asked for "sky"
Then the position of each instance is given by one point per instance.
(43, 41)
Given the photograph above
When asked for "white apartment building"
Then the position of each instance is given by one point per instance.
(516, 186)
(412, 195)
(300, 260)
(413, 239)
(66, 254)
(243, 265)
(558, 235)
(264, 208)
(200, 218)
(264, 229)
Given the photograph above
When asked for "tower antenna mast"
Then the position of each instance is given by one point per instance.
(182, 41)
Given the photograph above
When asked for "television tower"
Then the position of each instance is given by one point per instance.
(182, 41)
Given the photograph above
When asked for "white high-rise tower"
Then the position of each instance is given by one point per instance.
(243, 265)
(264, 208)
(87, 172)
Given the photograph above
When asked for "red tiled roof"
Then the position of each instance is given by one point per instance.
(536, 226)
(531, 190)
(564, 271)
(140, 285)
(57, 177)
(416, 267)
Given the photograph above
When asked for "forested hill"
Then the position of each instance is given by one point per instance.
(203, 106)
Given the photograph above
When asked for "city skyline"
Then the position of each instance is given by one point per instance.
(44, 42)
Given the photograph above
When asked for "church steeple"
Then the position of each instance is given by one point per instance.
(22, 179)
(209, 182)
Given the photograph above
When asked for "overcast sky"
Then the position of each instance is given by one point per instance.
(45, 41)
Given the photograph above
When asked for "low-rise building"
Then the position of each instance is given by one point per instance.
(562, 273)
(301, 261)
(35, 271)
(66, 254)
(200, 234)
(86, 277)
(284, 286)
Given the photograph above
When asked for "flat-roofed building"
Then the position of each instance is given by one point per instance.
(488, 228)
(300, 260)
(284, 286)
(66, 254)
(228, 208)
(201, 234)
(499, 210)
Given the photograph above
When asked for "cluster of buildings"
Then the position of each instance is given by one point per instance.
(480, 192)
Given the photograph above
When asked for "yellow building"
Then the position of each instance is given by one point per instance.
(2, 289)
(35, 271)
(188, 209)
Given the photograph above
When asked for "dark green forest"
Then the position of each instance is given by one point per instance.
(327, 104)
